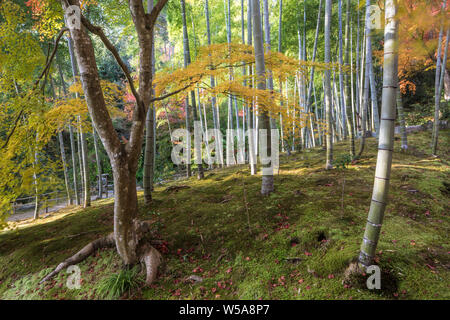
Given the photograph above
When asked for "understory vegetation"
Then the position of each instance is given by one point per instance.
(221, 239)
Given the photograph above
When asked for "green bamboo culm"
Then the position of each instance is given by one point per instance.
(401, 118)
(327, 86)
(386, 138)
(263, 116)
(365, 105)
(435, 134)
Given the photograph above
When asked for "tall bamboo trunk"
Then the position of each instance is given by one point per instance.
(439, 81)
(80, 161)
(264, 120)
(63, 153)
(386, 138)
(63, 159)
(365, 105)
(147, 176)
(401, 118)
(342, 100)
(187, 61)
(373, 93)
(215, 111)
(35, 181)
(316, 37)
(229, 137)
(82, 140)
(99, 165)
(72, 145)
(353, 93)
(268, 43)
(251, 124)
(84, 157)
(74, 165)
(327, 87)
(347, 92)
(187, 107)
(280, 34)
(357, 79)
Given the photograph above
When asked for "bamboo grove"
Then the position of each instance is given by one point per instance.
(81, 103)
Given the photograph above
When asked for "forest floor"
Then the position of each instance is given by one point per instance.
(294, 244)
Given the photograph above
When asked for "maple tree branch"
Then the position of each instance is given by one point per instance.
(99, 32)
(44, 72)
(170, 94)
(152, 16)
(50, 60)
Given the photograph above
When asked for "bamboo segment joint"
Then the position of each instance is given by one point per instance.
(374, 224)
(364, 258)
(369, 242)
(387, 179)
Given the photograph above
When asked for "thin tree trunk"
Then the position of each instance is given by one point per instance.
(347, 92)
(353, 93)
(366, 84)
(62, 152)
(280, 34)
(268, 43)
(80, 161)
(439, 82)
(251, 125)
(373, 94)
(386, 138)
(147, 176)
(72, 144)
(63, 159)
(82, 140)
(187, 108)
(327, 85)
(215, 111)
(316, 37)
(99, 165)
(357, 79)
(229, 138)
(343, 116)
(401, 118)
(74, 165)
(35, 181)
(264, 120)
(84, 155)
(187, 61)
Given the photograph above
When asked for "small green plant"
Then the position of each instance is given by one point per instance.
(117, 284)
(343, 160)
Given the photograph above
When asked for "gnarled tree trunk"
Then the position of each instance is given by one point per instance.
(130, 235)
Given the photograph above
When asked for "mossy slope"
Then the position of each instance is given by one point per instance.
(297, 245)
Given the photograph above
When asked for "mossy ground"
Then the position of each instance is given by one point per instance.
(314, 216)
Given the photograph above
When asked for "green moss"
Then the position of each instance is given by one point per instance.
(294, 244)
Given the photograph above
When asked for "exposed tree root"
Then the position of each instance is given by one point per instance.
(87, 250)
(152, 259)
(146, 252)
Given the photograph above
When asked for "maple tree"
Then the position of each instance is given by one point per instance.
(418, 35)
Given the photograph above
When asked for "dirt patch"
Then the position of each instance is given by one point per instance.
(356, 277)
(445, 189)
(173, 189)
